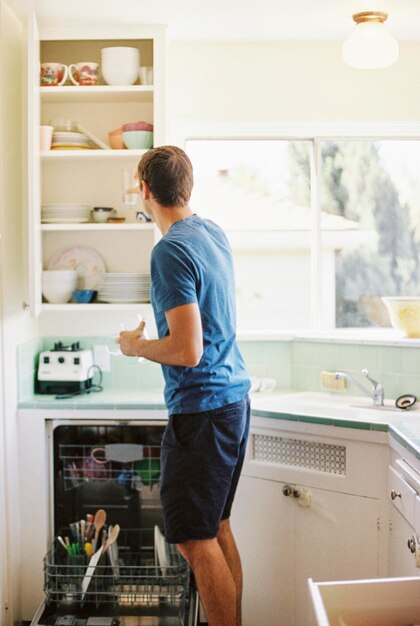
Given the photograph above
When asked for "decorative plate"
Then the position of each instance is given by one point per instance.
(87, 262)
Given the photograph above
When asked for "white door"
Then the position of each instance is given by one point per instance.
(34, 192)
(401, 559)
(263, 524)
(337, 538)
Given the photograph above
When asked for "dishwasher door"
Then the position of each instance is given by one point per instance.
(113, 466)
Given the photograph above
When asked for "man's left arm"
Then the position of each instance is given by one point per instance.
(183, 346)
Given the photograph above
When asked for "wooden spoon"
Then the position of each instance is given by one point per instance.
(98, 522)
(112, 537)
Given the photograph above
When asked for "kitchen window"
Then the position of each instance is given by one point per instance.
(320, 228)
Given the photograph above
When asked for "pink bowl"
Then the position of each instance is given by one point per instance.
(137, 126)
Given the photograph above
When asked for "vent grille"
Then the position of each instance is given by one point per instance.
(322, 457)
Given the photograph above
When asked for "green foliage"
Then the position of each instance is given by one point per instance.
(356, 185)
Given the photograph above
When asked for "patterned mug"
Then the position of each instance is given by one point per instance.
(53, 74)
(86, 73)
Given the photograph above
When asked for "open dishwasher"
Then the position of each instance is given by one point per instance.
(139, 580)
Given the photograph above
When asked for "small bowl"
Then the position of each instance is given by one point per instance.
(101, 214)
(83, 296)
(138, 139)
(116, 140)
(137, 126)
(404, 313)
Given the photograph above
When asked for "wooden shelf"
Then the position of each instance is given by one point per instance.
(98, 93)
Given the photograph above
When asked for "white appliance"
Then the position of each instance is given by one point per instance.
(65, 369)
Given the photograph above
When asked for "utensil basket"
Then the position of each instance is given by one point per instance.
(135, 582)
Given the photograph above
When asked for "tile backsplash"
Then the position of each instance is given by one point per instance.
(396, 367)
(293, 363)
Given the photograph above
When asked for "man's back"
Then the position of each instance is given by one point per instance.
(193, 263)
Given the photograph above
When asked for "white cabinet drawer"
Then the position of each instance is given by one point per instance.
(402, 495)
(417, 515)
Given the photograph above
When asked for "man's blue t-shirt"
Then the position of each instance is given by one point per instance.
(192, 263)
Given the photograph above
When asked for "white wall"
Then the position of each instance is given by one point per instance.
(270, 82)
(15, 324)
(287, 81)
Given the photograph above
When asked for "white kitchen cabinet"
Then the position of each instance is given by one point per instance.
(340, 534)
(402, 562)
(404, 523)
(94, 177)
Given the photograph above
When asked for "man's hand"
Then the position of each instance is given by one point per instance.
(129, 340)
(182, 346)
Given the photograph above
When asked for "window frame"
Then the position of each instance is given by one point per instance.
(315, 133)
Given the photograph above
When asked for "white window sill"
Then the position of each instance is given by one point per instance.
(365, 336)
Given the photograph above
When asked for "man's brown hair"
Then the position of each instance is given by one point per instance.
(168, 172)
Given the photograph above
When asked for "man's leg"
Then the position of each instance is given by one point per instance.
(214, 580)
(227, 543)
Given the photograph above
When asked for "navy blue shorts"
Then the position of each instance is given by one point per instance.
(201, 460)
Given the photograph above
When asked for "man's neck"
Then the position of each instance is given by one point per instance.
(167, 216)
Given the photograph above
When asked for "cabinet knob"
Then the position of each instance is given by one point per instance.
(287, 490)
(412, 543)
(395, 494)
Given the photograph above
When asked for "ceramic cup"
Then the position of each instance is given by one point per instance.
(45, 137)
(53, 74)
(86, 73)
(146, 75)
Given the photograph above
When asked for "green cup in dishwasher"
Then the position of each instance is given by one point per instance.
(148, 469)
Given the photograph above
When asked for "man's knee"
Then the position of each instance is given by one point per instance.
(224, 528)
(195, 549)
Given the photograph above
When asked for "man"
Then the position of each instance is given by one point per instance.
(206, 390)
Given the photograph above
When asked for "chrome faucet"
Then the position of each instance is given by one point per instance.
(376, 392)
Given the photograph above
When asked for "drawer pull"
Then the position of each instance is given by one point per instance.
(395, 494)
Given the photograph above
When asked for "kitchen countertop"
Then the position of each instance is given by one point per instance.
(330, 409)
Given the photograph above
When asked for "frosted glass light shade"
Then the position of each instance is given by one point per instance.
(370, 46)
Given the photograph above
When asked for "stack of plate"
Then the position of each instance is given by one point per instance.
(69, 140)
(65, 213)
(124, 287)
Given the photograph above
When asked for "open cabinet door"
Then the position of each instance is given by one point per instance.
(34, 178)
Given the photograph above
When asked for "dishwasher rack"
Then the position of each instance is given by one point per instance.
(83, 463)
(138, 583)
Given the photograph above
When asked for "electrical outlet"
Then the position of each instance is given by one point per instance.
(332, 380)
(102, 358)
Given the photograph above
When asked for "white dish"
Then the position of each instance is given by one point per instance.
(161, 556)
(87, 262)
(65, 220)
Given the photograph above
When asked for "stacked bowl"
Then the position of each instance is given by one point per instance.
(120, 65)
(58, 286)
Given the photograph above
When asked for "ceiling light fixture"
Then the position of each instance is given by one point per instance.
(370, 46)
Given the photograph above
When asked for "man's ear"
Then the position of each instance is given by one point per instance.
(145, 189)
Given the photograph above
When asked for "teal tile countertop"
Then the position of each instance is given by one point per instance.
(331, 409)
(105, 399)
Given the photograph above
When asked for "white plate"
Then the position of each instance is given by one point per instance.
(87, 262)
(65, 220)
(116, 300)
(161, 556)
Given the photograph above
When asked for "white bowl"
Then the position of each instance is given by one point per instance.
(101, 216)
(57, 294)
(127, 50)
(64, 277)
(119, 75)
(58, 286)
(404, 313)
